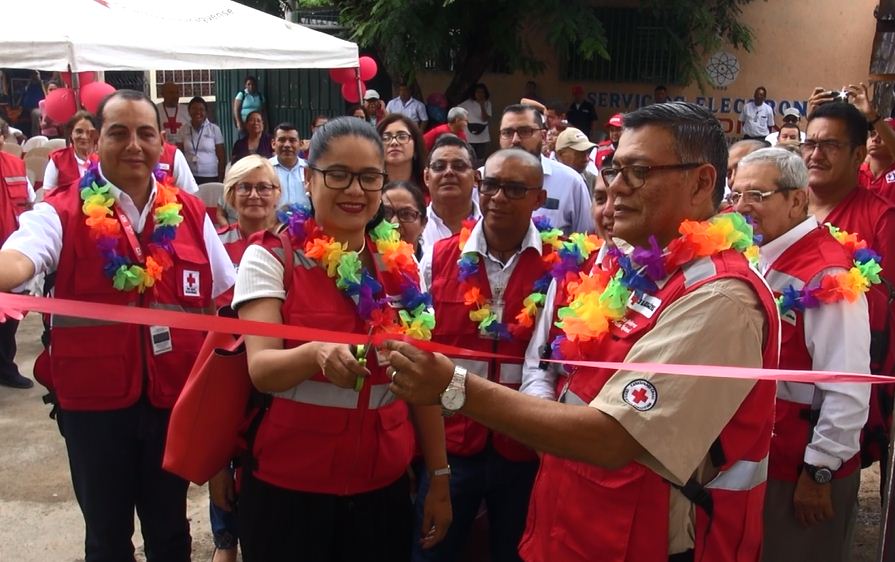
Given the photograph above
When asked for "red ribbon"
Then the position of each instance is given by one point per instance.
(208, 323)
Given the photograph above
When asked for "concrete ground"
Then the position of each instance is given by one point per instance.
(39, 517)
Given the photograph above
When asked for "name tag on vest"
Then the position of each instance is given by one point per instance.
(163, 166)
(890, 177)
(645, 304)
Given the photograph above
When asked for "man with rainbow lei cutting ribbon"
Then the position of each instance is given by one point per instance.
(641, 466)
(488, 284)
(121, 236)
(820, 276)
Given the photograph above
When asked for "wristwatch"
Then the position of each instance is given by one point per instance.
(454, 396)
(820, 474)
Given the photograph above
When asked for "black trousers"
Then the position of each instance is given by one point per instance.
(279, 525)
(116, 467)
(8, 347)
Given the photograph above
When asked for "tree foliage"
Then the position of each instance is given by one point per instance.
(475, 34)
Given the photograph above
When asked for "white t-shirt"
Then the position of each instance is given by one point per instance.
(475, 117)
(199, 148)
(173, 120)
(757, 120)
(51, 174)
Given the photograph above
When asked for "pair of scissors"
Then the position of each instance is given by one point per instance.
(360, 353)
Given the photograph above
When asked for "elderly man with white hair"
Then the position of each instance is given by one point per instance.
(458, 118)
(813, 466)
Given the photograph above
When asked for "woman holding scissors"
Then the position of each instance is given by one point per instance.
(328, 481)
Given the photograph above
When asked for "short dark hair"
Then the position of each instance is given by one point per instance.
(415, 192)
(255, 112)
(79, 116)
(697, 135)
(129, 95)
(786, 125)
(518, 108)
(448, 139)
(198, 99)
(338, 128)
(251, 79)
(284, 126)
(419, 145)
(660, 87)
(476, 87)
(855, 122)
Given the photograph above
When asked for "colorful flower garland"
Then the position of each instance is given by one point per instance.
(105, 228)
(598, 298)
(834, 287)
(415, 319)
(561, 258)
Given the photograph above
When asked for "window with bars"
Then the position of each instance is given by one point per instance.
(192, 82)
(638, 47)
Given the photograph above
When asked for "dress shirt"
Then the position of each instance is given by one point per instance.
(292, 182)
(568, 205)
(436, 230)
(413, 109)
(837, 335)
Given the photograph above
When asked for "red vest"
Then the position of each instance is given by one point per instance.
(883, 184)
(67, 168)
(872, 218)
(106, 366)
(799, 265)
(14, 196)
(583, 512)
(166, 160)
(235, 245)
(462, 435)
(318, 437)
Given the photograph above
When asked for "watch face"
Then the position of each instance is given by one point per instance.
(453, 399)
(823, 475)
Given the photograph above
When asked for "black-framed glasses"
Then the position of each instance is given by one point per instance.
(262, 188)
(826, 146)
(635, 176)
(523, 132)
(753, 196)
(404, 214)
(457, 165)
(403, 137)
(339, 178)
(511, 189)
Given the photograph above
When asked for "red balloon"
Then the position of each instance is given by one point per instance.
(350, 93)
(66, 78)
(341, 75)
(86, 77)
(368, 68)
(93, 94)
(60, 104)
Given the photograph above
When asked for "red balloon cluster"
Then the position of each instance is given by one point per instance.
(351, 89)
(61, 103)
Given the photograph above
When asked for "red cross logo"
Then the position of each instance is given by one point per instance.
(639, 395)
(172, 124)
(103, 2)
(190, 280)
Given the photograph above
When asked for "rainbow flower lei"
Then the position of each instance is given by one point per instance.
(562, 258)
(415, 319)
(105, 228)
(847, 285)
(598, 298)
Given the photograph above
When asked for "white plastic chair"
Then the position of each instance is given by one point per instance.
(39, 152)
(12, 148)
(38, 165)
(55, 144)
(34, 142)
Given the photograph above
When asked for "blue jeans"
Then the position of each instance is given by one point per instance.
(504, 486)
(223, 527)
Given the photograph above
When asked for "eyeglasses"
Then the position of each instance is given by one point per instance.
(403, 137)
(753, 196)
(825, 146)
(458, 166)
(263, 189)
(511, 189)
(523, 132)
(404, 215)
(635, 176)
(341, 179)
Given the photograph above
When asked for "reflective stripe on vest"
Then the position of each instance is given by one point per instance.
(331, 396)
(699, 270)
(510, 373)
(779, 281)
(478, 368)
(230, 236)
(569, 397)
(798, 392)
(15, 179)
(742, 476)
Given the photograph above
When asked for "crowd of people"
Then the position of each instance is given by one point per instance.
(659, 244)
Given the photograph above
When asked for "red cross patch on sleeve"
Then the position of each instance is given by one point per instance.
(190, 283)
(641, 394)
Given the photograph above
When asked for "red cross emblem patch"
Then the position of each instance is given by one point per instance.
(190, 283)
(641, 394)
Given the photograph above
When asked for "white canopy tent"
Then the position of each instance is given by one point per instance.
(82, 35)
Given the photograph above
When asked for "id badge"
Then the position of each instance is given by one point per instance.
(195, 158)
(382, 357)
(161, 339)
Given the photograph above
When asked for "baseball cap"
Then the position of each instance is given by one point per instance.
(793, 112)
(573, 138)
(615, 120)
(371, 95)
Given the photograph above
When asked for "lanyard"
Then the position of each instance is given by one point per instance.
(196, 142)
(129, 233)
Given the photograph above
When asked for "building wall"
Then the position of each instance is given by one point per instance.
(798, 44)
